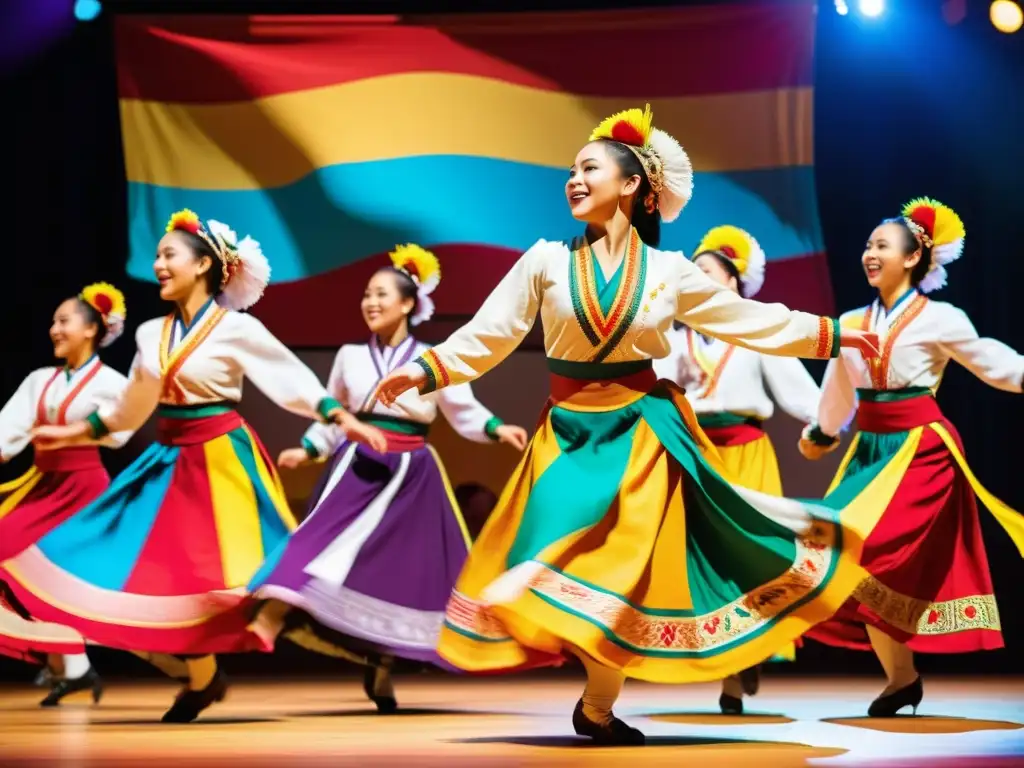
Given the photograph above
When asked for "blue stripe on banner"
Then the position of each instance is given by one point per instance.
(102, 543)
(342, 214)
(272, 528)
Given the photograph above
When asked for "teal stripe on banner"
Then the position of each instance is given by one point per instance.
(342, 214)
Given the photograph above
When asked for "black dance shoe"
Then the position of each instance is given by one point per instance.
(613, 733)
(64, 687)
(189, 703)
(386, 705)
(750, 680)
(890, 704)
(730, 705)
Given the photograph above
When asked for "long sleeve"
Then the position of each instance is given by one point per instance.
(16, 419)
(495, 331)
(715, 310)
(279, 374)
(838, 399)
(792, 386)
(114, 439)
(992, 361)
(135, 405)
(321, 439)
(466, 414)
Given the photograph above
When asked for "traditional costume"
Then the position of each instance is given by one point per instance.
(379, 551)
(732, 403)
(617, 538)
(929, 585)
(161, 559)
(59, 484)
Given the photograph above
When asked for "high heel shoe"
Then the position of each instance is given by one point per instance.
(189, 703)
(890, 704)
(64, 687)
(613, 733)
(386, 703)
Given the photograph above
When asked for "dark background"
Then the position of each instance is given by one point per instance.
(906, 105)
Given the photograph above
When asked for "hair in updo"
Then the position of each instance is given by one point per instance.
(911, 244)
(215, 274)
(647, 224)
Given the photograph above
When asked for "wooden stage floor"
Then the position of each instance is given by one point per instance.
(516, 721)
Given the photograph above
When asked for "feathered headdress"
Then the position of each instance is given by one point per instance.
(246, 269)
(938, 227)
(425, 271)
(109, 303)
(741, 249)
(665, 162)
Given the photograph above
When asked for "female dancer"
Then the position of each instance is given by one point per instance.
(60, 482)
(617, 538)
(730, 399)
(379, 552)
(929, 588)
(160, 560)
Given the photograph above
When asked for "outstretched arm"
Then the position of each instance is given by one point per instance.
(992, 361)
(836, 408)
(792, 386)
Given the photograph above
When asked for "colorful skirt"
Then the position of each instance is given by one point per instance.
(58, 485)
(378, 554)
(160, 561)
(749, 459)
(618, 537)
(929, 584)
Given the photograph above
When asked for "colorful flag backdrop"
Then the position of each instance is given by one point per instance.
(331, 139)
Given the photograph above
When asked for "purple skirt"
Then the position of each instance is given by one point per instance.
(377, 555)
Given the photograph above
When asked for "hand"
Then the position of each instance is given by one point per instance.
(510, 434)
(50, 437)
(401, 380)
(292, 458)
(359, 432)
(865, 341)
(812, 450)
(691, 375)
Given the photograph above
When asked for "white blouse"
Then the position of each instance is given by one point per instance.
(919, 338)
(559, 280)
(737, 380)
(206, 363)
(357, 370)
(59, 396)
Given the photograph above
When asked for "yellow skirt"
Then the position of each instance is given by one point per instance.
(618, 535)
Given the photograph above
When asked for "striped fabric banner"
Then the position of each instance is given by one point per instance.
(331, 139)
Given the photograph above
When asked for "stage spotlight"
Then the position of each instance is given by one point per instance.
(1006, 16)
(842, 8)
(87, 10)
(871, 8)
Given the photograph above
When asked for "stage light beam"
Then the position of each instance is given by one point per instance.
(871, 8)
(1006, 16)
(842, 8)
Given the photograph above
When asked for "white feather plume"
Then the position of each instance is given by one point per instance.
(678, 174)
(941, 255)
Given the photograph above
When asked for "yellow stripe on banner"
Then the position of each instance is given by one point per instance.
(1011, 520)
(234, 512)
(272, 484)
(18, 489)
(277, 140)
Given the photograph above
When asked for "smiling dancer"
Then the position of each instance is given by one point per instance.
(929, 588)
(617, 540)
(384, 541)
(160, 561)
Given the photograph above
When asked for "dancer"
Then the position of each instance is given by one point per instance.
(929, 588)
(617, 539)
(379, 552)
(725, 384)
(160, 560)
(59, 482)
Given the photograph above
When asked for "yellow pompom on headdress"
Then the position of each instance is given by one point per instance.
(938, 227)
(109, 303)
(743, 252)
(666, 164)
(246, 269)
(425, 271)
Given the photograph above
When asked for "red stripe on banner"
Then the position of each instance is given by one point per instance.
(296, 311)
(633, 54)
(181, 555)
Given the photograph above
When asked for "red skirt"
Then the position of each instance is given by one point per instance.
(929, 583)
(61, 483)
